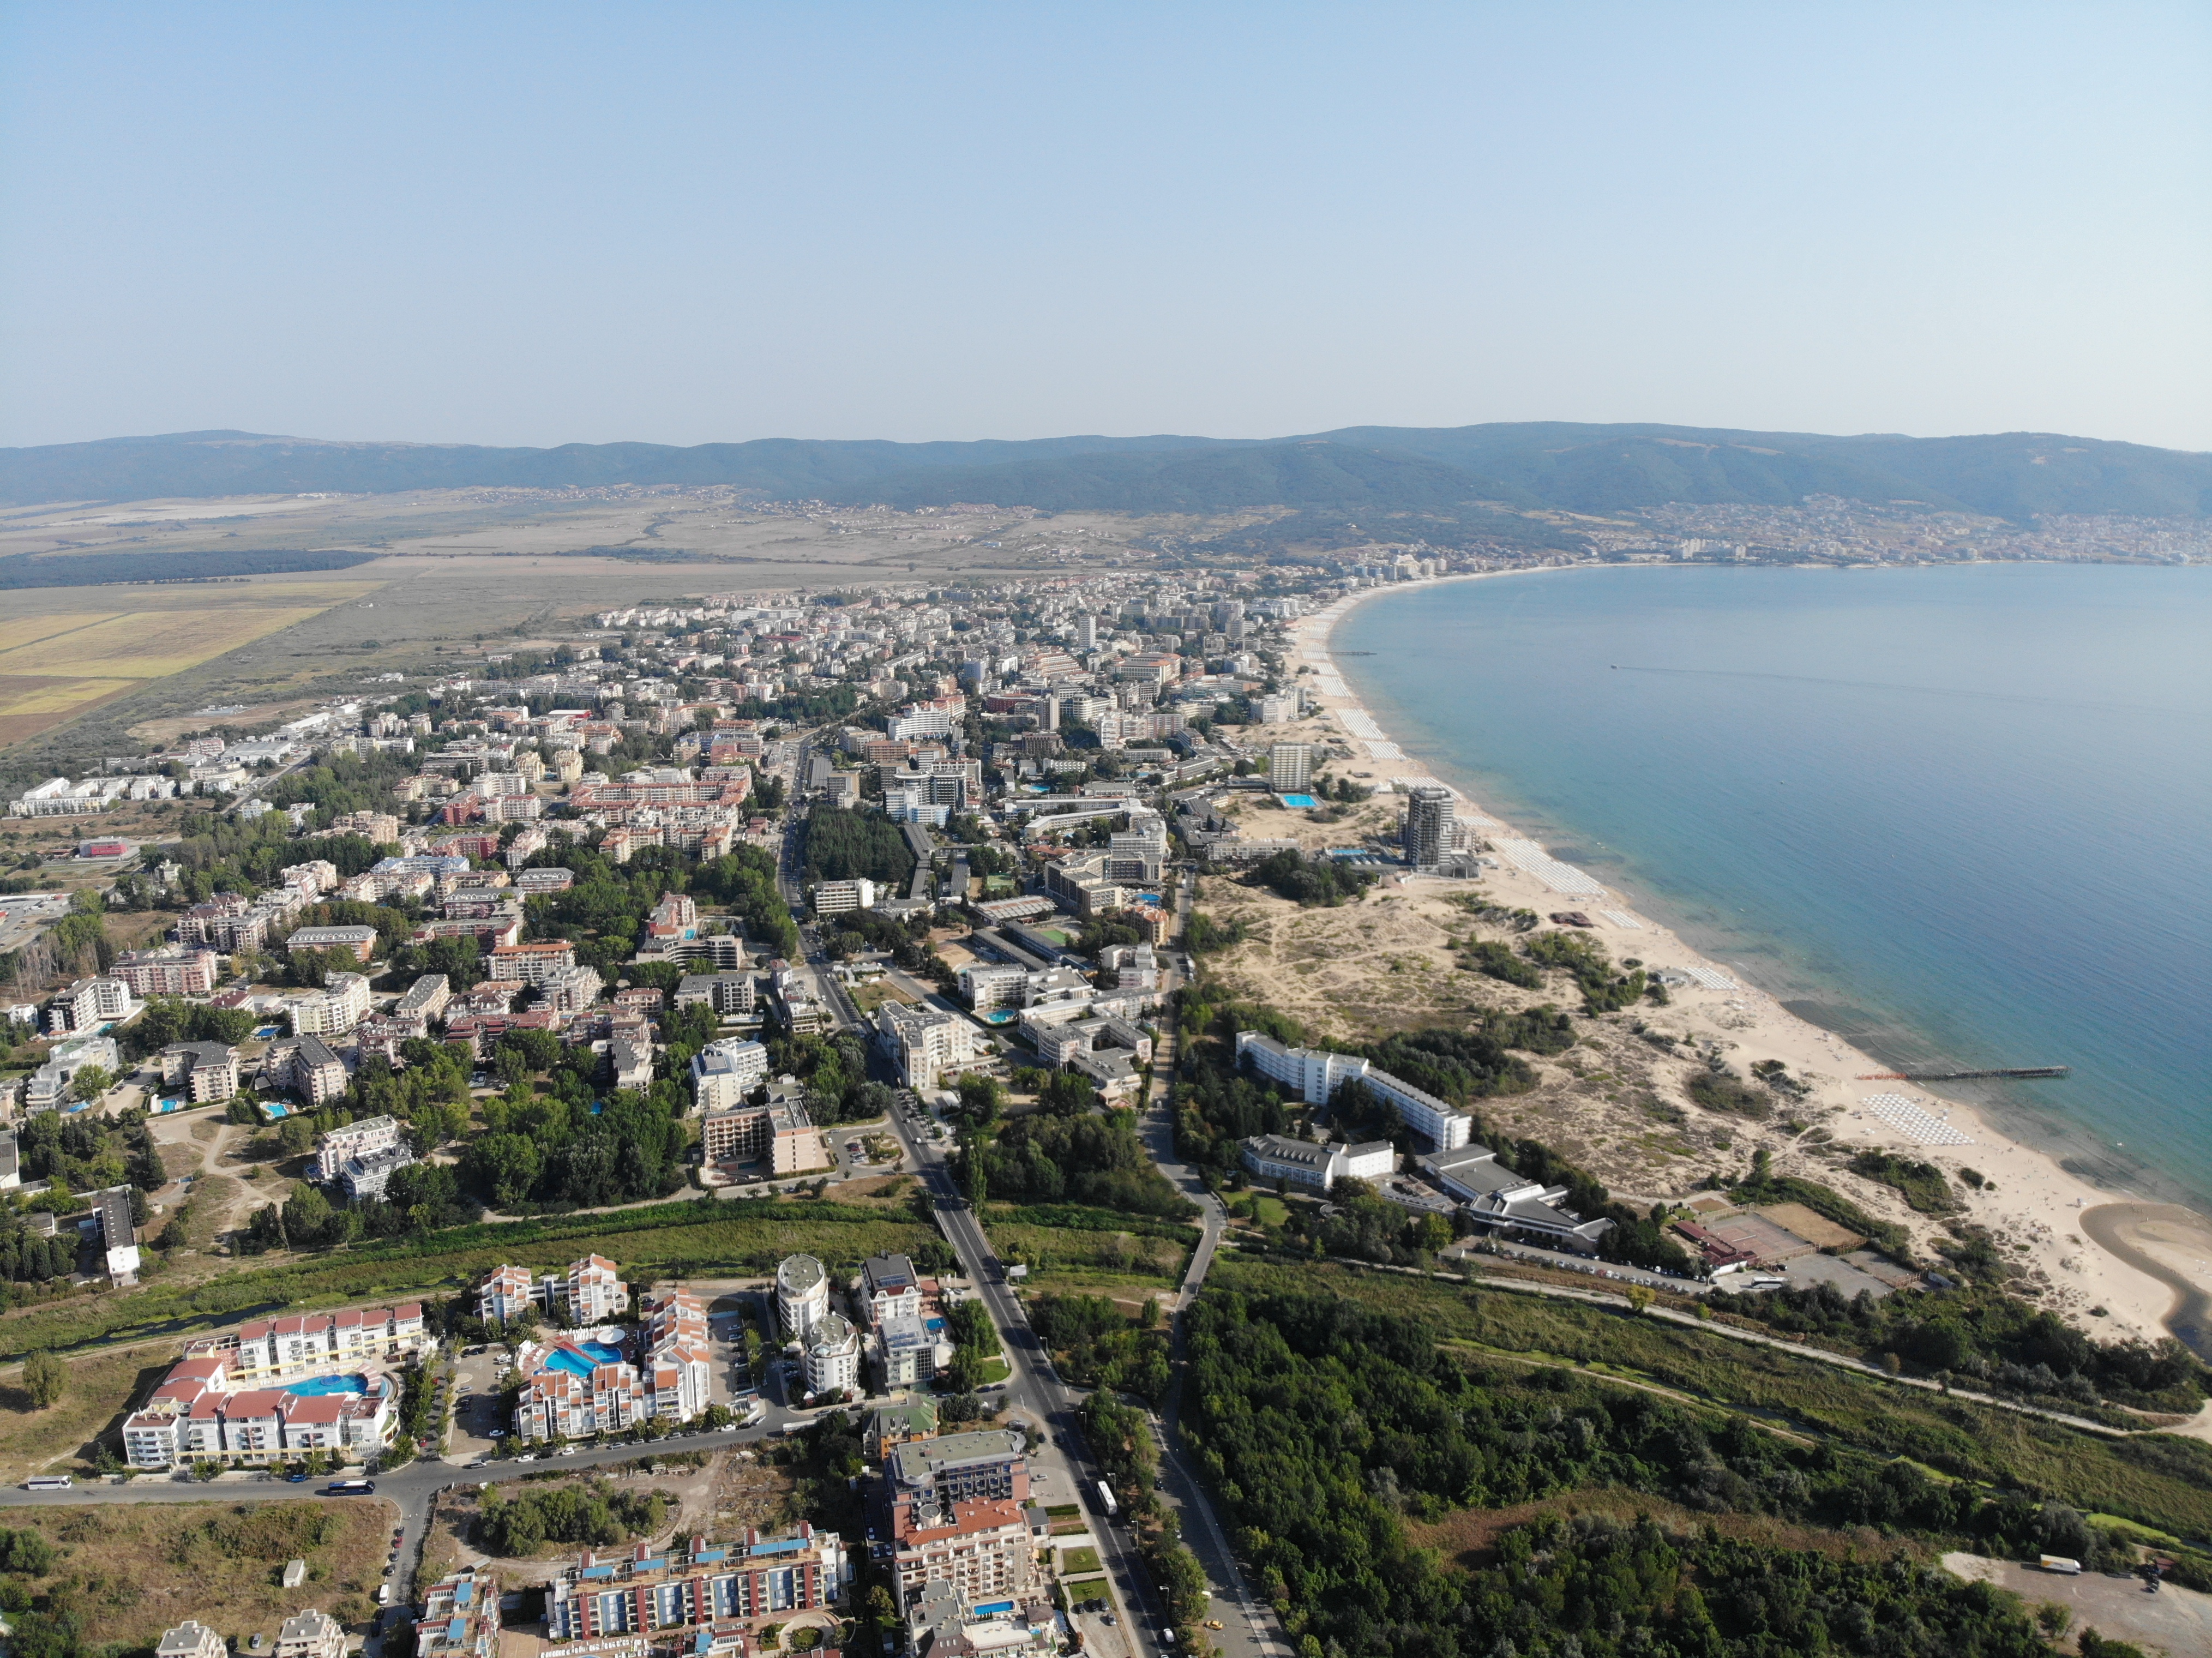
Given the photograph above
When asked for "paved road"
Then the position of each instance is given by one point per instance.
(1250, 1629)
(1032, 1388)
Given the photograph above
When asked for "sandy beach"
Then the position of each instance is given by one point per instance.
(2118, 1267)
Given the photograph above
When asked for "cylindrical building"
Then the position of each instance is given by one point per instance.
(802, 1295)
(832, 1355)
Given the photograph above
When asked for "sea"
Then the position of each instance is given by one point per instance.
(1961, 816)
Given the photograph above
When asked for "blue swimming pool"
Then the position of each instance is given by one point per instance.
(1299, 802)
(934, 1323)
(579, 1357)
(316, 1386)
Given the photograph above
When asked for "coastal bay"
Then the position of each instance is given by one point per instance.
(1984, 861)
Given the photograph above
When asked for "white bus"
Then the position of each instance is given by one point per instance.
(50, 1482)
(1107, 1505)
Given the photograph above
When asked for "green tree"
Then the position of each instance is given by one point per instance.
(45, 1378)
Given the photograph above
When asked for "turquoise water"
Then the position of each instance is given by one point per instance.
(578, 1358)
(1958, 815)
(316, 1386)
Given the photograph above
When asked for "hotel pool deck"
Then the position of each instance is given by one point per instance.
(579, 1357)
(317, 1386)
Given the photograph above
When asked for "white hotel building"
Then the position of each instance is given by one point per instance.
(1317, 1074)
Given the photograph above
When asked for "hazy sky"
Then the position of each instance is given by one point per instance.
(539, 224)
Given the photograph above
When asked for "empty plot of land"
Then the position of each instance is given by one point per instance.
(1816, 1229)
(31, 702)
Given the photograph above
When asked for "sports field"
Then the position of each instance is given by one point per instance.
(56, 666)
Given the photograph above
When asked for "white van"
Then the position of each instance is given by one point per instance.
(50, 1482)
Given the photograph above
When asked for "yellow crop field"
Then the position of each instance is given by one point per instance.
(28, 695)
(28, 629)
(147, 643)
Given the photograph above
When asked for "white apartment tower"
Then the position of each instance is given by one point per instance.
(1428, 826)
(1290, 768)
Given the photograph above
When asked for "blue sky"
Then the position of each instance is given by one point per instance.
(540, 224)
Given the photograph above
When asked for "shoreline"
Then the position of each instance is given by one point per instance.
(2029, 1196)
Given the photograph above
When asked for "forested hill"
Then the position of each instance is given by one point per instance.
(1372, 469)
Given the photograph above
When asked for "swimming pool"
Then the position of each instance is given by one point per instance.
(1298, 802)
(934, 1323)
(577, 1357)
(316, 1386)
(265, 1031)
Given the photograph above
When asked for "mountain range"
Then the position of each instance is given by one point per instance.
(1462, 472)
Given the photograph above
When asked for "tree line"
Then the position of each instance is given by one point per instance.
(1326, 1427)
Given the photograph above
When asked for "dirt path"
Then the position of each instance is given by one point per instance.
(1615, 1379)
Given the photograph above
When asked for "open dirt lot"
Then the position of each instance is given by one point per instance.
(2174, 1621)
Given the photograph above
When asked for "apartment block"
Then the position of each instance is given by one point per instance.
(695, 1583)
(724, 1072)
(342, 1003)
(175, 972)
(356, 1139)
(361, 941)
(531, 964)
(89, 1004)
(726, 992)
(506, 1294)
(207, 1071)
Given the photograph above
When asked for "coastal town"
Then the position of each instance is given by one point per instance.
(1064, 901)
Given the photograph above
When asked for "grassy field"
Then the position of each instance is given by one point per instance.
(2157, 1481)
(1108, 1256)
(1464, 1538)
(1078, 1563)
(130, 1570)
(101, 1385)
(679, 1239)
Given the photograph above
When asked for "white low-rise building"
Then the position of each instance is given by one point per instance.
(1494, 1197)
(1317, 1167)
(1317, 1074)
